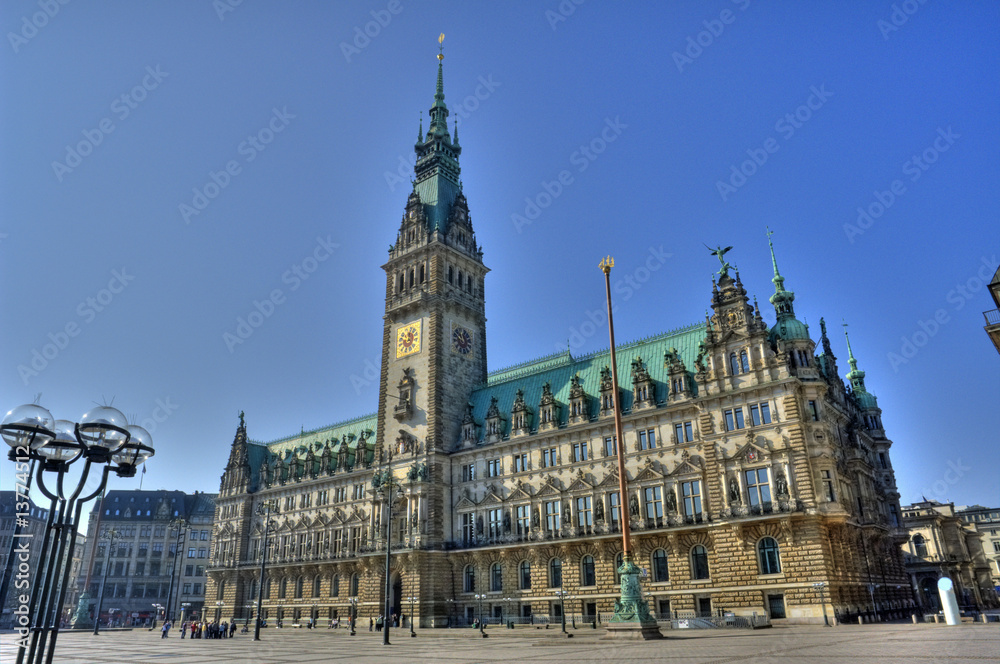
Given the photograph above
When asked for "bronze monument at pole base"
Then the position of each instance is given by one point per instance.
(632, 619)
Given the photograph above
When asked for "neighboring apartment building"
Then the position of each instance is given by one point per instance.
(987, 522)
(992, 316)
(754, 470)
(35, 526)
(942, 544)
(148, 550)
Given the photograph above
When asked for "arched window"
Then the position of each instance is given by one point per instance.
(267, 589)
(619, 560)
(496, 577)
(734, 364)
(920, 546)
(421, 273)
(524, 574)
(316, 585)
(451, 274)
(335, 586)
(298, 587)
(220, 590)
(468, 283)
(555, 573)
(744, 361)
(283, 589)
(354, 585)
(660, 572)
(469, 579)
(699, 562)
(768, 556)
(588, 576)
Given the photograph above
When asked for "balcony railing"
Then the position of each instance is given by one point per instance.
(992, 317)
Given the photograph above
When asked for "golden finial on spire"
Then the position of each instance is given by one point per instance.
(607, 264)
(441, 47)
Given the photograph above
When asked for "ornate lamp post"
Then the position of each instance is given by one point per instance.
(102, 437)
(354, 613)
(482, 630)
(184, 606)
(387, 487)
(246, 624)
(111, 535)
(632, 618)
(451, 610)
(563, 596)
(820, 585)
(264, 510)
(411, 599)
(178, 525)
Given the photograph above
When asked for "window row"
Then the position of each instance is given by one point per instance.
(768, 562)
(759, 413)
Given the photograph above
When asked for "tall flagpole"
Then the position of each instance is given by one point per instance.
(632, 619)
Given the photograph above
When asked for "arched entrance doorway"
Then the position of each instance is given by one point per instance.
(929, 593)
(396, 602)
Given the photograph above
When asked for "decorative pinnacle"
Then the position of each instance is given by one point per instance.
(778, 280)
(441, 47)
(607, 264)
(850, 354)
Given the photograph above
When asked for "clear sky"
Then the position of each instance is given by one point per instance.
(169, 166)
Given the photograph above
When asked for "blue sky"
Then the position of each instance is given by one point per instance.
(170, 168)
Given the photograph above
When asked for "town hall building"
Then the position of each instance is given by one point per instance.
(755, 473)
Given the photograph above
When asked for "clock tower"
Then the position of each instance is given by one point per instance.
(434, 334)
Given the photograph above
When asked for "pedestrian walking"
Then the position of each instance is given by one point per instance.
(165, 629)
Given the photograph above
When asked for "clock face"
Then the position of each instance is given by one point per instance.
(408, 339)
(461, 341)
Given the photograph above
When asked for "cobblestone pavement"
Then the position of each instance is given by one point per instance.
(836, 645)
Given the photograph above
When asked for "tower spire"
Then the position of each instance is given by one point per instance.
(850, 354)
(782, 299)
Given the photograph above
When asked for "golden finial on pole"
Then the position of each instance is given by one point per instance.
(441, 47)
(607, 264)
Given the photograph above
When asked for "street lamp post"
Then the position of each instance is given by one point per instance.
(386, 485)
(178, 525)
(451, 610)
(820, 585)
(111, 535)
(246, 623)
(184, 606)
(563, 595)
(482, 630)
(631, 618)
(412, 599)
(354, 613)
(264, 510)
(218, 611)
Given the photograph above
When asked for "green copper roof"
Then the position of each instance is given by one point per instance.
(856, 377)
(559, 369)
(436, 172)
(788, 327)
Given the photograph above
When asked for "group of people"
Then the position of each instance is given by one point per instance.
(377, 624)
(208, 630)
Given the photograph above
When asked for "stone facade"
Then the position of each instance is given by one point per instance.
(986, 520)
(754, 470)
(35, 527)
(158, 555)
(942, 544)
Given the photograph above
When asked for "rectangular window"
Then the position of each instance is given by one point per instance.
(197, 589)
(468, 528)
(187, 589)
(996, 547)
(199, 570)
(691, 492)
(159, 531)
(552, 520)
(468, 472)
(493, 468)
(523, 518)
(813, 411)
(145, 531)
(584, 515)
(654, 502)
(192, 552)
(154, 568)
(204, 536)
(647, 439)
(734, 419)
(760, 413)
(758, 490)
(614, 499)
(828, 485)
(549, 457)
(580, 451)
(355, 539)
(496, 522)
(684, 432)
(611, 446)
(140, 568)
(520, 463)
(202, 552)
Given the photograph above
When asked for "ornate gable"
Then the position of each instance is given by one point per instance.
(648, 473)
(518, 493)
(579, 483)
(548, 489)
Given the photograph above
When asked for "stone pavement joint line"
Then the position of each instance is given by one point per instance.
(893, 643)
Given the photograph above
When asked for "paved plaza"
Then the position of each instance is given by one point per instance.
(844, 644)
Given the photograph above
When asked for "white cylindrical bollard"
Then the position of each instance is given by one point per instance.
(946, 591)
